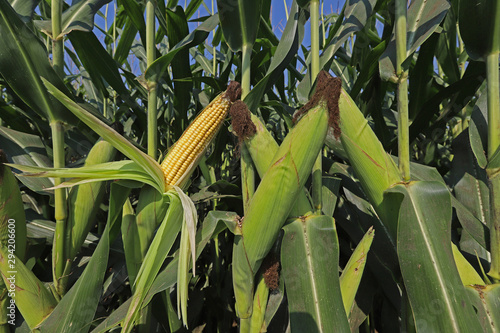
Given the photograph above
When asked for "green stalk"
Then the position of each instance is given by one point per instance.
(493, 104)
(59, 254)
(57, 43)
(493, 145)
(317, 180)
(403, 128)
(247, 169)
(152, 93)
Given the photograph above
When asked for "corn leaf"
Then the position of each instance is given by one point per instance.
(23, 60)
(239, 21)
(426, 259)
(156, 255)
(486, 300)
(309, 257)
(214, 223)
(77, 308)
(92, 173)
(423, 19)
(34, 301)
(353, 271)
(475, 18)
(12, 213)
(149, 165)
(468, 274)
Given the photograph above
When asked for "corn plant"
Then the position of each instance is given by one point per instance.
(350, 184)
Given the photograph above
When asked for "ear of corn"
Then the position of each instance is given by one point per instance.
(262, 148)
(187, 151)
(85, 199)
(273, 201)
(374, 168)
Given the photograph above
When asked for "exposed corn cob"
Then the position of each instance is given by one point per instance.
(196, 138)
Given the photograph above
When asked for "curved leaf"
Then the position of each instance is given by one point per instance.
(23, 60)
(79, 16)
(149, 165)
(423, 19)
(239, 20)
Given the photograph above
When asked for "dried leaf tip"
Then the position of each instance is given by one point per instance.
(328, 90)
(241, 121)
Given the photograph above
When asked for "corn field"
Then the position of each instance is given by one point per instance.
(200, 166)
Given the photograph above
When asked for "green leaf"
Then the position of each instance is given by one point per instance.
(470, 186)
(79, 16)
(309, 257)
(478, 130)
(423, 19)
(475, 18)
(285, 52)
(426, 259)
(77, 308)
(215, 222)
(92, 173)
(486, 300)
(156, 255)
(149, 165)
(23, 60)
(12, 216)
(239, 21)
(468, 274)
(34, 301)
(100, 65)
(27, 149)
(160, 65)
(25, 8)
(353, 271)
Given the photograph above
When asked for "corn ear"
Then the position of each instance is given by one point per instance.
(262, 147)
(374, 168)
(187, 151)
(273, 201)
(85, 199)
(131, 243)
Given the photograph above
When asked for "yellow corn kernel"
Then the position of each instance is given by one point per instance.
(195, 139)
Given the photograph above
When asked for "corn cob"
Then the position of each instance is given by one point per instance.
(196, 138)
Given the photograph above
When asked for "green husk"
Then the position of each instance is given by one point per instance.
(262, 148)
(374, 168)
(33, 300)
(273, 201)
(84, 200)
